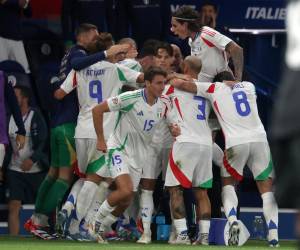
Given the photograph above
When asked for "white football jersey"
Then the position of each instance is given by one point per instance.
(136, 123)
(194, 111)
(132, 64)
(95, 84)
(236, 110)
(209, 45)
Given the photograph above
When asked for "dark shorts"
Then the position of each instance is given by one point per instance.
(23, 186)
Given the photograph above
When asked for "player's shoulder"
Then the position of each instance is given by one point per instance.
(135, 94)
(208, 32)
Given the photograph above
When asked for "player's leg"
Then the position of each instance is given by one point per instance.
(202, 181)
(260, 163)
(235, 159)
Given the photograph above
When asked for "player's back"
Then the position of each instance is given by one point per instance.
(236, 109)
(194, 111)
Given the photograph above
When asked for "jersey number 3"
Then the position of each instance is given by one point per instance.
(95, 90)
(241, 103)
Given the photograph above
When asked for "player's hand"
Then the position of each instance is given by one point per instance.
(176, 82)
(20, 140)
(27, 165)
(179, 76)
(116, 49)
(101, 145)
(132, 53)
(175, 130)
(230, 83)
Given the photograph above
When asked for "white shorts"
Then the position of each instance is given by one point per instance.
(13, 50)
(2, 154)
(157, 162)
(256, 155)
(119, 164)
(90, 160)
(190, 165)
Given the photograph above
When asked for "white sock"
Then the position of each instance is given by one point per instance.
(104, 210)
(108, 221)
(98, 199)
(180, 225)
(85, 199)
(204, 226)
(72, 197)
(146, 208)
(217, 155)
(270, 210)
(230, 202)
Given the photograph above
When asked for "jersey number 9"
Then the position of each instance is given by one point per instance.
(95, 90)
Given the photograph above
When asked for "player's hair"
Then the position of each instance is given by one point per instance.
(194, 63)
(104, 41)
(25, 91)
(224, 76)
(209, 3)
(152, 72)
(189, 15)
(166, 46)
(149, 48)
(85, 27)
(128, 40)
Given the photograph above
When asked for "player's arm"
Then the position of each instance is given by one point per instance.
(67, 86)
(237, 55)
(129, 76)
(171, 117)
(188, 86)
(98, 112)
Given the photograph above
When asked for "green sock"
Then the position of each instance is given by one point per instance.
(42, 193)
(55, 196)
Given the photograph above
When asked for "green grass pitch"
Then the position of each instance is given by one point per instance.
(29, 243)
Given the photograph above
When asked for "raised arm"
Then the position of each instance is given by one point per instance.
(188, 86)
(237, 55)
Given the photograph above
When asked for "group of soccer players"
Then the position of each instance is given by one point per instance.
(125, 140)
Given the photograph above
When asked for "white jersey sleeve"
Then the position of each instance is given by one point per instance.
(205, 89)
(70, 82)
(122, 101)
(215, 37)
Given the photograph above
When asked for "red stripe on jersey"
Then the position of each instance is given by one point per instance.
(231, 170)
(211, 88)
(170, 90)
(208, 32)
(183, 180)
(166, 111)
(217, 109)
(208, 43)
(178, 106)
(74, 80)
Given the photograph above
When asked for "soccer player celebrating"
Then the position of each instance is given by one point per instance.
(139, 114)
(94, 84)
(246, 143)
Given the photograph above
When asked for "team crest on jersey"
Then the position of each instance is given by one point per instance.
(159, 113)
(115, 100)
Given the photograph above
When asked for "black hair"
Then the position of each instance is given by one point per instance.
(25, 91)
(224, 76)
(209, 3)
(85, 27)
(149, 48)
(152, 72)
(166, 46)
(189, 15)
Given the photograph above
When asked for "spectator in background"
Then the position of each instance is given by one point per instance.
(76, 12)
(7, 97)
(11, 44)
(209, 12)
(27, 166)
(285, 130)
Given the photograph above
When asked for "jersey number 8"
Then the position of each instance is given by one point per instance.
(241, 103)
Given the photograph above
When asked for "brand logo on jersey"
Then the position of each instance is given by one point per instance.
(115, 100)
(140, 113)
